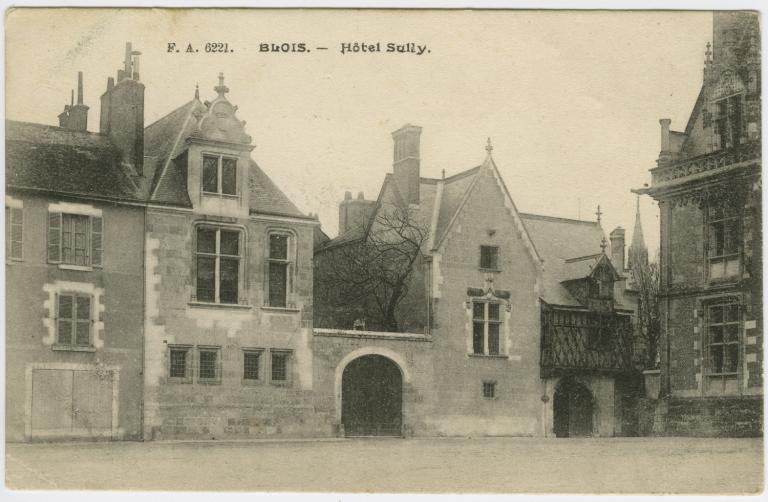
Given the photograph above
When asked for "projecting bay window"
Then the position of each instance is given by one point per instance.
(486, 328)
(219, 175)
(75, 239)
(723, 325)
(218, 259)
(73, 320)
(279, 265)
(724, 243)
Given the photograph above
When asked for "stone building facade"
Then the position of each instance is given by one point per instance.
(708, 185)
(74, 281)
(484, 361)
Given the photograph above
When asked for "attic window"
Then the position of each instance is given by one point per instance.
(219, 175)
(489, 257)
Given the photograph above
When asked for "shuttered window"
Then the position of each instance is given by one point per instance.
(74, 320)
(75, 239)
(14, 229)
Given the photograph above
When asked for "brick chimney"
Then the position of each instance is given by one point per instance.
(75, 116)
(354, 212)
(617, 249)
(122, 111)
(407, 161)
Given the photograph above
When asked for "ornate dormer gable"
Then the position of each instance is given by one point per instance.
(489, 294)
(218, 121)
(590, 280)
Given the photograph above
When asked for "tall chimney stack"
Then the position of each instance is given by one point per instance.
(617, 249)
(407, 160)
(122, 112)
(75, 116)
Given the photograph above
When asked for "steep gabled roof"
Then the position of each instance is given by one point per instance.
(49, 158)
(266, 198)
(455, 189)
(165, 141)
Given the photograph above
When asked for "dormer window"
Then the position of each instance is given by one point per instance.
(219, 175)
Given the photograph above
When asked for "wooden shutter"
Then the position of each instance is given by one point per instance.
(54, 237)
(96, 241)
(16, 233)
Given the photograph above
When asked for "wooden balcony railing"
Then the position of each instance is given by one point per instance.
(585, 340)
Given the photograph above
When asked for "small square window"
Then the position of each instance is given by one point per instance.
(179, 363)
(251, 365)
(208, 363)
(280, 369)
(489, 257)
(489, 390)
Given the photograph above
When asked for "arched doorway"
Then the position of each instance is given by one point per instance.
(573, 408)
(372, 397)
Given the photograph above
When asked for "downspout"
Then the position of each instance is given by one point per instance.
(143, 321)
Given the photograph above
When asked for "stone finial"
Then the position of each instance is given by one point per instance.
(603, 244)
(221, 89)
(599, 214)
(197, 91)
(489, 146)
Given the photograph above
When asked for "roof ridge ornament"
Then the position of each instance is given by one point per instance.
(603, 244)
(599, 214)
(221, 89)
(197, 91)
(489, 146)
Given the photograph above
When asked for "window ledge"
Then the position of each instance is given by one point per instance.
(494, 270)
(81, 268)
(210, 305)
(220, 195)
(280, 383)
(73, 348)
(489, 356)
(179, 380)
(205, 381)
(251, 382)
(280, 309)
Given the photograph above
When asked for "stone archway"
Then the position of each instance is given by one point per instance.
(573, 408)
(372, 397)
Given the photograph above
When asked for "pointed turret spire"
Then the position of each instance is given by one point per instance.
(637, 249)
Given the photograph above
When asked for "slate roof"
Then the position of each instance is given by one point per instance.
(559, 241)
(165, 140)
(50, 158)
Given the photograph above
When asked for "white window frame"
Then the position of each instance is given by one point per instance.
(94, 246)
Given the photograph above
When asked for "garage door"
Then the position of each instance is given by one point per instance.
(71, 403)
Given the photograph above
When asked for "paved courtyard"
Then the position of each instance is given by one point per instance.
(626, 465)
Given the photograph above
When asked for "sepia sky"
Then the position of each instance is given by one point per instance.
(570, 99)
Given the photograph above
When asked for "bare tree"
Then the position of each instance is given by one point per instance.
(370, 276)
(646, 277)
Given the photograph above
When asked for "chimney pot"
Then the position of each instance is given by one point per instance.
(347, 195)
(79, 88)
(360, 196)
(665, 134)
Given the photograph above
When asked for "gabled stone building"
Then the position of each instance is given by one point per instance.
(492, 352)
(708, 185)
(228, 284)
